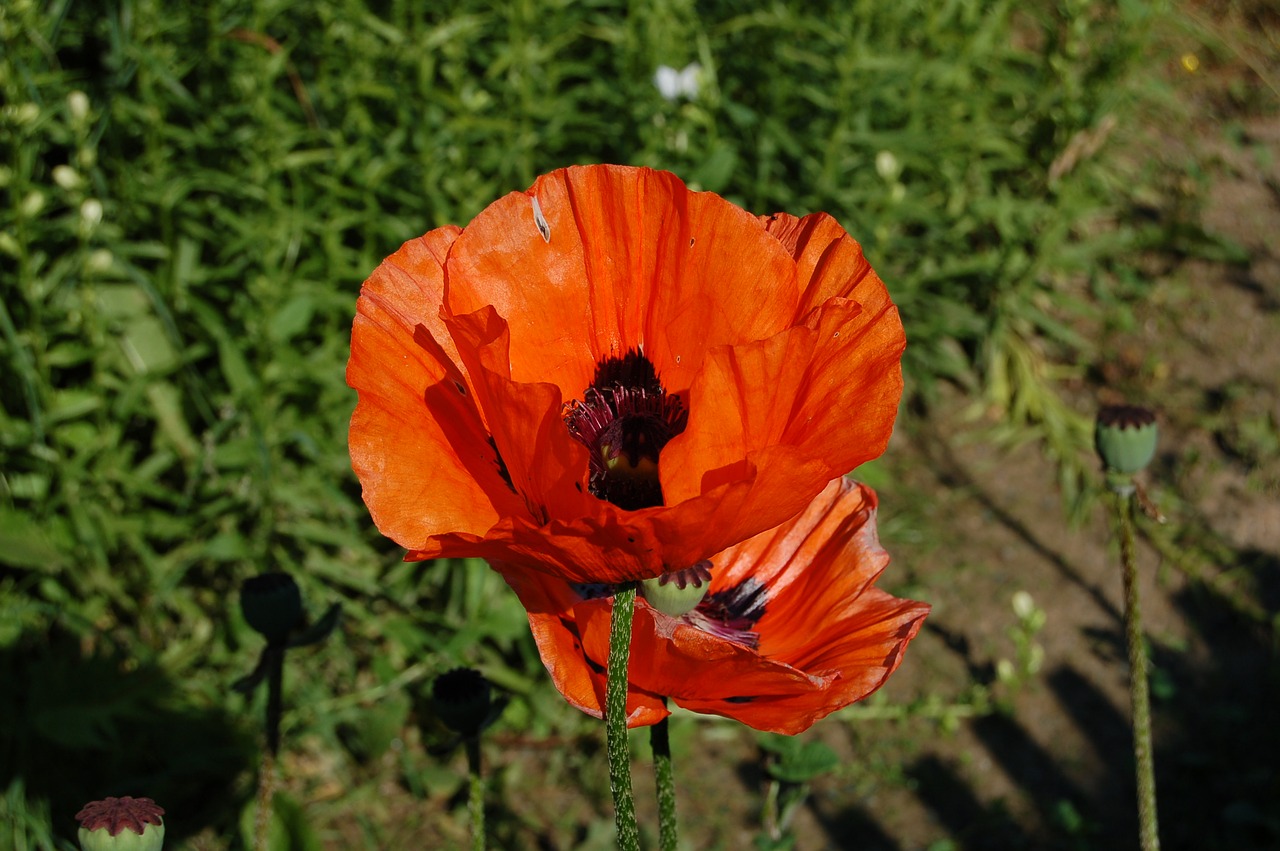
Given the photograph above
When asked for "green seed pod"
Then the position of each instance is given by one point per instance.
(272, 605)
(462, 700)
(121, 824)
(1125, 437)
(678, 593)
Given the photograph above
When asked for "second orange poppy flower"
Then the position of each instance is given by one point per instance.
(792, 629)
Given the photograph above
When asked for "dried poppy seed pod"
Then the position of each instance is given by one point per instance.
(1125, 437)
(272, 605)
(463, 700)
(678, 593)
(121, 824)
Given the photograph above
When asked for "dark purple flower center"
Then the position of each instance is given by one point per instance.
(625, 418)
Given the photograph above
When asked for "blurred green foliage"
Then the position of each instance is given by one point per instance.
(192, 195)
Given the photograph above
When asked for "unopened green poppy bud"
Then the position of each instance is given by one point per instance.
(462, 700)
(272, 605)
(679, 592)
(1125, 436)
(121, 824)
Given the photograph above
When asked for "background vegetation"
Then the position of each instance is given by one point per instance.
(192, 195)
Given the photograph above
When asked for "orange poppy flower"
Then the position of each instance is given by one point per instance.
(609, 376)
(790, 630)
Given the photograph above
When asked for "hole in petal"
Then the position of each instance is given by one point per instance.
(540, 221)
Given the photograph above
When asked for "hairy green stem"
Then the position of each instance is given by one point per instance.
(266, 792)
(1148, 824)
(267, 768)
(660, 739)
(615, 719)
(475, 798)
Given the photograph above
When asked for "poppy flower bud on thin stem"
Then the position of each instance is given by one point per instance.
(1126, 440)
(679, 592)
(272, 605)
(462, 699)
(121, 824)
(1125, 437)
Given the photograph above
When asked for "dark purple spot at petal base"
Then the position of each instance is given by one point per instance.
(732, 613)
(593, 590)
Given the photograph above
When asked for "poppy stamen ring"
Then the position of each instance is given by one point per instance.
(625, 418)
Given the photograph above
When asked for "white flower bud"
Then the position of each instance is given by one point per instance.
(66, 177)
(887, 166)
(32, 204)
(78, 106)
(100, 260)
(91, 212)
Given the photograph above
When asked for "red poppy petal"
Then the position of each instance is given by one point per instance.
(832, 267)
(548, 602)
(872, 636)
(680, 661)
(859, 666)
(830, 391)
(816, 567)
(633, 259)
(414, 433)
(591, 549)
(545, 464)
(741, 500)
(830, 262)
(740, 402)
(845, 410)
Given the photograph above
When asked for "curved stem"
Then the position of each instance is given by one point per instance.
(615, 719)
(475, 798)
(1148, 824)
(668, 833)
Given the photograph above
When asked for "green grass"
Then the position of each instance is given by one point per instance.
(192, 196)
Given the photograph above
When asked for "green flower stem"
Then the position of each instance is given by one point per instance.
(275, 697)
(668, 833)
(1148, 824)
(615, 719)
(475, 798)
(267, 767)
(266, 791)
